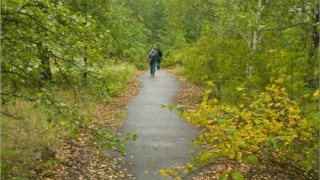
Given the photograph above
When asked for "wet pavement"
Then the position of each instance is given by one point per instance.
(163, 137)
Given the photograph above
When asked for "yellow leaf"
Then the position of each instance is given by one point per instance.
(210, 121)
(280, 80)
(175, 172)
(239, 88)
(210, 83)
(316, 94)
(239, 158)
(62, 123)
(231, 156)
(282, 112)
(188, 119)
(208, 91)
(241, 105)
(140, 17)
(242, 144)
(163, 172)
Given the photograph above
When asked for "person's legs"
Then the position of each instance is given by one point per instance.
(158, 63)
(153, 67)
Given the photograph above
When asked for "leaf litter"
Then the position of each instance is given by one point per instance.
(78, 158)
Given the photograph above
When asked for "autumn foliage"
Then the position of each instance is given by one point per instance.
(272, 126)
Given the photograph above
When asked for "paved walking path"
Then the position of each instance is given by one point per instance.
(162, 137)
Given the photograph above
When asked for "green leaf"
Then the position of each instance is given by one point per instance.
(219, 121)
(231, 130)
(274, 144)
(305, 165)
(164, 105)
(228, 122)
(181, 114)
(171, 107)
(180, 107)
(134, 137)
(224, 175)
(272, 50)
(49, 119)
(237, 176)
(251, 158)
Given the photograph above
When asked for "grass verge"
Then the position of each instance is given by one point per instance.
(33, 140)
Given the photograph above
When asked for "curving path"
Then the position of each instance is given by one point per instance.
(162, 136)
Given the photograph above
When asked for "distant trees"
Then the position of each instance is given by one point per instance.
(274, 38)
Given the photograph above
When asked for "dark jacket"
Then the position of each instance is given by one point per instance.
(159, 53)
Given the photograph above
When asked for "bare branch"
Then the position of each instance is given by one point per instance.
(245, 38)
(284, 28)
(17, 96)
(11, 116)
(81, 69)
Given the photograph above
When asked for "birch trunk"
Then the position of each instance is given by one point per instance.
(260, 8)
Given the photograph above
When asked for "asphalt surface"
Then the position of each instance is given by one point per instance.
(163, 137)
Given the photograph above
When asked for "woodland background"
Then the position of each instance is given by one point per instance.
(256, 60)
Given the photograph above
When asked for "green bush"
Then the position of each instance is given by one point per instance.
(35, 130)
(272, 127)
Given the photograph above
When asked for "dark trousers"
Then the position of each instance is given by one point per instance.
(159, 62)
(153, 67)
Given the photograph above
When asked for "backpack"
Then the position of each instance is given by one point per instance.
(153, 55)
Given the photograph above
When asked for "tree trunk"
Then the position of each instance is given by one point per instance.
(85, 73)
(311, 78)
(255, 36)
(45, 63)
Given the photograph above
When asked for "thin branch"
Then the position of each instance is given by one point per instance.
(17, 96)
(284, 28)
(245, 38)
(194, 172)
(17, 118)
(11, 116)
(76, 66)
(11, 72)
(67, 79)
(36, 21)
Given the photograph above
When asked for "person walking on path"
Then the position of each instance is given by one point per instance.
(153, 55)
(159, 57)
(149, 50)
